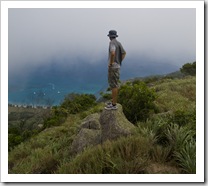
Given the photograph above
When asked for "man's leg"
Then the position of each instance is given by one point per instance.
(113, 79)
(114, 95)
(115, 87)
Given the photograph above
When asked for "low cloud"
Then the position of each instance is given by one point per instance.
(42, 36)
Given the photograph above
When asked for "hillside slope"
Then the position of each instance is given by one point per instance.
(157, 145)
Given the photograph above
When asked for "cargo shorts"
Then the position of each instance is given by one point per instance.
(113, 77)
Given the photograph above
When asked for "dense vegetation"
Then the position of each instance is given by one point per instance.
(189, 69)
(25, 123)
(72, 104)
(137, 101)
(163, 109)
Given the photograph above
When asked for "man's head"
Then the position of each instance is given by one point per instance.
(112, 34)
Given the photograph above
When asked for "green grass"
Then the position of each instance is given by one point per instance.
(124, 156)
(50, 146)
(52, 143)
(177, 94)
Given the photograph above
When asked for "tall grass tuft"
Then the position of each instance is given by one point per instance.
(184, 145)
(124, 156)
(186, 157)
(160, 154)
(42, 161)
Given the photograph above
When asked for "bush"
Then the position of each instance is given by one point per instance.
(57, 117)
(72, 104)
(13, 140)
(182, 118)
(75, 103)
(152, 79)
(17, 135)
(189, 69)
(137, 101)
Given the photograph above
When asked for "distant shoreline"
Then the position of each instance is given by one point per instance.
(55, 99)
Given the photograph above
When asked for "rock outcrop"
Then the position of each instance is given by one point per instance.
(89, 134)
(97, 128)
(114, 124)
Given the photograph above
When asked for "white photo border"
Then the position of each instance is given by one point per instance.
(198, 177)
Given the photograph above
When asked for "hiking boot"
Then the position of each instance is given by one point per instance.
(111, 107)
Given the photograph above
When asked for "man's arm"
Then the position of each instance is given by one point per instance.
(123, 52)
(123, 56)
(112, 56)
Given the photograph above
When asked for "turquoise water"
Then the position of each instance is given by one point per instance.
(51, 94)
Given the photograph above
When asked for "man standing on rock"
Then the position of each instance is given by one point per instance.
(116, 56)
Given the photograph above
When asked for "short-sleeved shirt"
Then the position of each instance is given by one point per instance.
(116, 46)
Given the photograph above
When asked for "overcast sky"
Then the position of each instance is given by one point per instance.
(37, 36)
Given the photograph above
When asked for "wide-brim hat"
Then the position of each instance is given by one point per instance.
(112, 33)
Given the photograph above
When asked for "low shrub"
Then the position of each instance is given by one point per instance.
(72, 104)
(189, 69)
(137, 101)
(17, 136)
(75, 103)
(183, 117)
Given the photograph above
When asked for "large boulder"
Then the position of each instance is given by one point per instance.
(91, 122)
(114, 124)
(89, 134)
(97, 128)
(85, 138)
